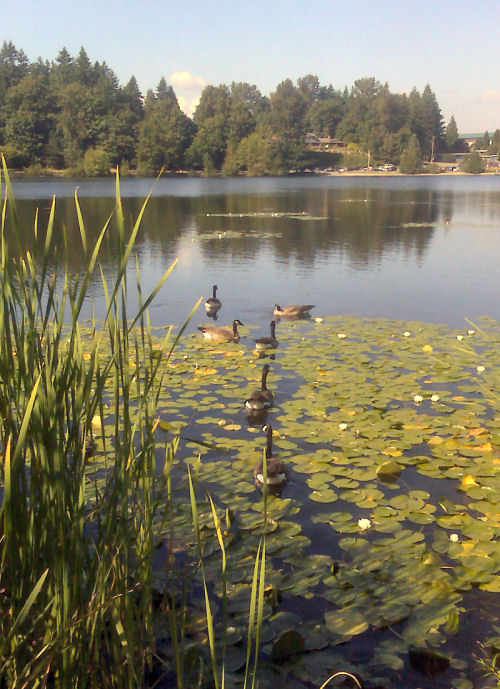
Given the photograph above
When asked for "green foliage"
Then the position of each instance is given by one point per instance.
(353, 160)
(96, 163)
(145, 169)
(29, 114)
(263, 154)
(411, 158)
(164, 133)
(431, 169)
(76, 548)
(485, 141)
(209, 145)
(15, 158)
(451, 135)
(232, 163)
(473, 164)
(326, 159)
(288, 107)
(53, 113)
(76, 169)
(34, 170)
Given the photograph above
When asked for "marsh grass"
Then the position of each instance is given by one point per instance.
(78, 606)
(76, 554)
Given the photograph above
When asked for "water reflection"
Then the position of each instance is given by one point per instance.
(401, 248)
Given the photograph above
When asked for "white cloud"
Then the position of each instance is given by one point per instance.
(491, 95)
(188, 106)
(186, 81)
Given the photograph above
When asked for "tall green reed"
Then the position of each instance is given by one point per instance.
(76, 581)
(76, 552)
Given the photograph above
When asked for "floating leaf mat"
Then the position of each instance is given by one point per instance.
(385, 540)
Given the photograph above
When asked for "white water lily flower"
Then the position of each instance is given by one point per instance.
(342, 426)
(364, 524)
(435, 398)
(480, 369)
(454, 537)
(319, 319)
(341, 336)
(471, 332)
(418, 398)
(460, 338)
(407, 333)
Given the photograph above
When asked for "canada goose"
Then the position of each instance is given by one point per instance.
(226, 333)
(277, 472)
(90, 446)
(263, 398)
(212, 303)
(294, 310)
(265, 342)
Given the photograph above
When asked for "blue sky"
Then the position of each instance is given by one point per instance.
(453, 45)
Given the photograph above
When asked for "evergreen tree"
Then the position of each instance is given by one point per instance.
(13, 67)
(430, 131)
(63, 70)
(83, 70)
(29, 113)
(246, 103)
(75, 121)
(324, 115)
(411, 158)
(123, 125)
(473, 164)
(486, 141)
(213, 121)
(70, 106)
(259, 154)
(495, 142)
(288, 107)
(165, 132)
(451, 135)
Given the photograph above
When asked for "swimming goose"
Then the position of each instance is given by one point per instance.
(277, 472)
(267, 342)
(263, 398)
(296, 310)
(226, 333)
(212, 303)
(90, 446)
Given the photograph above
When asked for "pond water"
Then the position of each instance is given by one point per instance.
(421, 248)
(406, 249)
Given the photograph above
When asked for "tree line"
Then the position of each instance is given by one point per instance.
(74, 115)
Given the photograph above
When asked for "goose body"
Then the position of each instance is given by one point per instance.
(90, 446)
(263, 398)
(226, 333)
(294, 310)
(277, 472)
(267, 342)
(213, 303)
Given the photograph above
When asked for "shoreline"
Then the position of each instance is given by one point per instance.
(181, 174)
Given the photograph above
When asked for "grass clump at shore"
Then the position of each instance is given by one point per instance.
(77, 546)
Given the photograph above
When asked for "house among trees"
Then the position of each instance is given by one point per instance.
(323, 143)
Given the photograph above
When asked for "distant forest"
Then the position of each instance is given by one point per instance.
(70, 114)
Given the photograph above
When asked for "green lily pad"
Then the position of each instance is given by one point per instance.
(389, 471)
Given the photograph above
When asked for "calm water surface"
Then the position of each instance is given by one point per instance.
(424, 248)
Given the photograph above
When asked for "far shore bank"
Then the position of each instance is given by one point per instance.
(181, 174)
